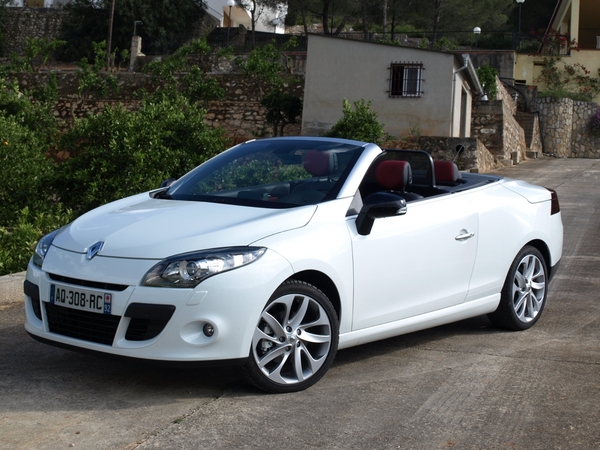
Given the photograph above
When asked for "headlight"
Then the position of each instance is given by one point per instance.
(189, 269)
(42, 248)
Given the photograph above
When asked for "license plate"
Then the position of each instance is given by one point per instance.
(83, 299)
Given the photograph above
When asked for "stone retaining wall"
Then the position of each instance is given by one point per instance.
(239, 113)
(474, 158)
(556, 124)
(583, 143)
(30, 22)
(494, 123)
(565, 126)
(536, 144)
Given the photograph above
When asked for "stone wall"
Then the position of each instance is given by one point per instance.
(536, 144)
(494, 124)
(583, 143)
(239, 113)
(30, 22)
(565, 126)
(474, 158)
(501, 60)
(556, 124)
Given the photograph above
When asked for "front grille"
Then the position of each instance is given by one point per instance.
(87, 283)
(84, 325)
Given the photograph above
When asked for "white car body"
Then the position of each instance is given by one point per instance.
(412, 271)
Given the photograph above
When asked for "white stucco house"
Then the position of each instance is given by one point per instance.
(411, 89)
(270, 20)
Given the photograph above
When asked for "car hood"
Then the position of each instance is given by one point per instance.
(143, 227)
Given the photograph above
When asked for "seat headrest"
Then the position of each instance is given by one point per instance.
(320, 164)
(446, 171)
(393, 175)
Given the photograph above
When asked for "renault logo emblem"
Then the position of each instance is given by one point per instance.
(94, 249)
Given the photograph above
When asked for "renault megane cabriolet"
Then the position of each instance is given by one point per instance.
(278, 252)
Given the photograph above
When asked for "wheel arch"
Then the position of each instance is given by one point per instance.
(543, 249)
(323, 283)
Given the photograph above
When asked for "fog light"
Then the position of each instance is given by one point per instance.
(208, 329)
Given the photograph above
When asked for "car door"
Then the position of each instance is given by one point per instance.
(414, 263)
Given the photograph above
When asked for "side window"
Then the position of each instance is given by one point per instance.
(406, 80)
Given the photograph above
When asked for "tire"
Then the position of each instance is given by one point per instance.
(523, 296)
(295, 339)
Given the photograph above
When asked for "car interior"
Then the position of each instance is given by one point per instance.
(413, 175)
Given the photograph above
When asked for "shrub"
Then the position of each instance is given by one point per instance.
(195, 85)
(27, 208)
(109, 156)
(282, 108)
(360, 124)
(121, 153)
(487, 77)
(26, 131)
(18, 242)
(37, 116)
(568, 81)
(269, 68)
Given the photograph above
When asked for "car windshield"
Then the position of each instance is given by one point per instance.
(275, 173)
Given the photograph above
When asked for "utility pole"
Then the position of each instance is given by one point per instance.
(385, 7)
(110, 29)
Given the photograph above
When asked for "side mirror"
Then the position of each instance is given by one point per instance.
(168, 182)
(377, 206)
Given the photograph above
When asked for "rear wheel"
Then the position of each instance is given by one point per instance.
(524, 293)
(295, 339)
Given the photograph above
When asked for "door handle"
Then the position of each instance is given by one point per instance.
(464, 235)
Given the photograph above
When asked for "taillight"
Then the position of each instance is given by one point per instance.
(555, 206)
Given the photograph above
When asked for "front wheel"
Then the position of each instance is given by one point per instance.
(295, 339)
(524, 293)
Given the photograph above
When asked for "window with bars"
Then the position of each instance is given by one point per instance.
(406, 79)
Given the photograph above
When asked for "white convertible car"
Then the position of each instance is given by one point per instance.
(279, 252)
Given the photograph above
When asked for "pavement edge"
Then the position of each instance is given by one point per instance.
(11, 288)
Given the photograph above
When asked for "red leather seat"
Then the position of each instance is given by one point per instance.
(446, 172)
(395, 176)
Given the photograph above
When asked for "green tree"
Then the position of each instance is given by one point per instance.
(333, 15)
(27, 209)
(3, 19)
(175, 75)
(361, 124)
(255, 9)
(38, 50)
(268, 67)
(27, 130)
(120, 153)
(110, 155)
(282, 109)
(487, 77)
(18, 241)
(167, 24)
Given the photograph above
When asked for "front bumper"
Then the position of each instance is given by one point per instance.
(165, 324)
